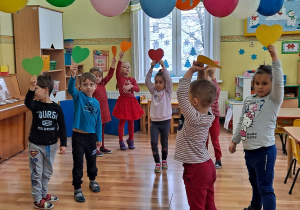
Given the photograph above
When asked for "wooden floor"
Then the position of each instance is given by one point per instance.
(128, 180)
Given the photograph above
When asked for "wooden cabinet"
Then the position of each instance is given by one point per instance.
(291, 96)
(68, 75)
(38, 31)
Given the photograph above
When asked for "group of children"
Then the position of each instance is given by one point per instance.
(198, 102)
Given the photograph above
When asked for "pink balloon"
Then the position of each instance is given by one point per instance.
(110, 8)
(220, 8)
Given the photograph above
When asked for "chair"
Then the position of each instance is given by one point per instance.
(175, 120)
(148, 120)
(280, 131)
(296, 158)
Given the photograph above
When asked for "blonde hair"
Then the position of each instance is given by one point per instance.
(96, 69)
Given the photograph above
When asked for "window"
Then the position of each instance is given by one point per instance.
(183, 35)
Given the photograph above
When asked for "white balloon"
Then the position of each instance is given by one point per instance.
(245, 8)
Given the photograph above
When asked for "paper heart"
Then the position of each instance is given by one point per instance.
(80, 54)
(114, 50)
(268, 34)
(205, 60)
(156, 55)
(125, 46)
(33, 66)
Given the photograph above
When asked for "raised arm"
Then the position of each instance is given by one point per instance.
(110, 72)
(29, 103)
(71, 86)
(148, 82)
(119, 65)
(277, 91)
(169, 84)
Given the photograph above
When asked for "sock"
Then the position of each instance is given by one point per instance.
(77, 191)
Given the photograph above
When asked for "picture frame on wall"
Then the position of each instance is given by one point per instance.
(290, 47)
(288, 17)
(101, 59)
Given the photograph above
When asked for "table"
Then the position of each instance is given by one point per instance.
(294, 132)
(289, 114)
(144, 105)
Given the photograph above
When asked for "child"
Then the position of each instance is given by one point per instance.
(87, 130)
(47, 124)
(160, 112)
(256, 129)
(127, 107)
(199, 172)
(214, 130)
(101, 96)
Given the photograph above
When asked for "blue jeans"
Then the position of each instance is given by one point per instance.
(260, 164)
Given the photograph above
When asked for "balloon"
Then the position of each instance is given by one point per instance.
(157, 8)
(245, 8)
(10, 6)
(110, 8)
(60, 3)
(186, 4)
(220, 8)
(269, 8)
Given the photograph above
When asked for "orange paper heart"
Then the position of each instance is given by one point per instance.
(268, 34)
(125, 46)
(114, 50)
(205, 60)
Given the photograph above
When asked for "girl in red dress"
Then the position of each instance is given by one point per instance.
(101, 96)
(127, 106)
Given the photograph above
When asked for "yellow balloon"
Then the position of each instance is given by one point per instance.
(11, 6)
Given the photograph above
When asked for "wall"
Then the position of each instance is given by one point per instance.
(94, 31)
(233, 39)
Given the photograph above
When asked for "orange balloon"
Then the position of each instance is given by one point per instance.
(125, 46)
(187, 4)
(114, 50)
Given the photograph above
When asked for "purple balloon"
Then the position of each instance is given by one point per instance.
(220, 8)
(269, 7)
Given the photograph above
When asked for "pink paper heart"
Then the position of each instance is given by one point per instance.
(156, 55)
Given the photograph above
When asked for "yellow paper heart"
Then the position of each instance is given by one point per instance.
(205, 60)
(268, 34)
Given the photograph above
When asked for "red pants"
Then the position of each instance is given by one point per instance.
(130, 129)
(214, 132)
(199, 182)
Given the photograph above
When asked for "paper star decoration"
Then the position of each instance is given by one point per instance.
(264, 48)
(241, 51)
(253, 57)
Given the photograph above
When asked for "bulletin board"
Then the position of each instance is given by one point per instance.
(288, 17)
(101, 59)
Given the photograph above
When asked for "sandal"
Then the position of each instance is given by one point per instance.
(78, 196)
(94, 186)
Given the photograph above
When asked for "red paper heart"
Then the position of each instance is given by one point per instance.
(156, 55)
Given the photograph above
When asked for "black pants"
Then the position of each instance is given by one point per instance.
(83, 144)
(162, 128)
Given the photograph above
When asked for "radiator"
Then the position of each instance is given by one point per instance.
(223, 97)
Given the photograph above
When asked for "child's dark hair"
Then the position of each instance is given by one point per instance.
(205, 91)
(89, 76)
(264, 69)
(96, 69)
(160, 73)
(45, 81)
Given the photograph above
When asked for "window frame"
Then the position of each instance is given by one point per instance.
(139, 54)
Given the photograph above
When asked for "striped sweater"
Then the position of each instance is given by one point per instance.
(191, 139)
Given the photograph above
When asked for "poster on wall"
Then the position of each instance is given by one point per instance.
(290, 47)
(288, 17)
(101, 58)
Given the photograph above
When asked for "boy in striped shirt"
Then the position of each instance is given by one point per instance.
(199, 175)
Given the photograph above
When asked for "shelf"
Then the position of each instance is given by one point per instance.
(56, 70)
(290, 98)
(70, 65)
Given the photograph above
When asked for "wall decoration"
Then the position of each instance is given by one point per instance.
(288, 17)
(253, 56)
(290, 47)
(268, 35)
(241, 51)
(101, 59)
